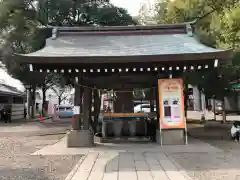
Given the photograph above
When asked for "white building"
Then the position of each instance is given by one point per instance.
(52, 97)
(12, 96)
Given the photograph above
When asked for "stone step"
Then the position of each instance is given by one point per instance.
(122, 139)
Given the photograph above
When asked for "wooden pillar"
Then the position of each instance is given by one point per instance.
(77, 100)
(90, 119)
(151, 100)
(76, 122)
(157, 104)
(80, 136)
(86, 97)
(96, 105)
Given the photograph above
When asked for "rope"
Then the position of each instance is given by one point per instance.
(104, 90)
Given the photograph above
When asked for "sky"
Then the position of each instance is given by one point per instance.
(132, 6)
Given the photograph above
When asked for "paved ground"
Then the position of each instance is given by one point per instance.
(200, 160)
(60, 148)
(17, 144)
(122, 166)
(137, 161)
(208, 165)
(47, 157)
(212, 166)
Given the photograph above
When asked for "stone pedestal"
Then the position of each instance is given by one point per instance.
(104, 128)
(117, 126)
(171, 137)
(80, 138)
(132, 128)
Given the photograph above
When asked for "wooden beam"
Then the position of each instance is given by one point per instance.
(121, 79)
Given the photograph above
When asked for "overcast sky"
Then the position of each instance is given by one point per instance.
(132, 6)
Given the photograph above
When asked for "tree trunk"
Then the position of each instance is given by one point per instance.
(74, 11)
(33, 95)
(214, 108)
(59, 100)
(224, 118)
(44, 99)
(206, 103)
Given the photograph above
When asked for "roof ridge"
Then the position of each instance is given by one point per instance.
(118, 28)
(133, 29)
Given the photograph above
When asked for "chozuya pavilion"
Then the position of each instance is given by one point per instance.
(120, 59)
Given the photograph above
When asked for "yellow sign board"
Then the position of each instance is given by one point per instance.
(171, 104)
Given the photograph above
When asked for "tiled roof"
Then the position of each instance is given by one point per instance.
(6, 90)
(90, 44)
(133, 45)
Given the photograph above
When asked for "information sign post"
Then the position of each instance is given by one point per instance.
(171, 104)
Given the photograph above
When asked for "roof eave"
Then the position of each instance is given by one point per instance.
(11, 94)
(25, 58)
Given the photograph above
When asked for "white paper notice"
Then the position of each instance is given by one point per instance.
(76, 110)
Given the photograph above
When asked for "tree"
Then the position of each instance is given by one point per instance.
(84, 12)
(176, 11)
(61, 88)
(216, 24)
(146, 14)
(113, 16)
(20, 33)
(47, 81)
(229, 29)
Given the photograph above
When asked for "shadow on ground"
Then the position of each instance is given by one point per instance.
(210, 131)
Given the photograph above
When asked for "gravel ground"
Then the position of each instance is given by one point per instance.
(34, 128)
(228, 146)
(17, 163)
(212, 166)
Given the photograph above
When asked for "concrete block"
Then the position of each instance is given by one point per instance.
(98, 139)
(171, 137)
(80, 138)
